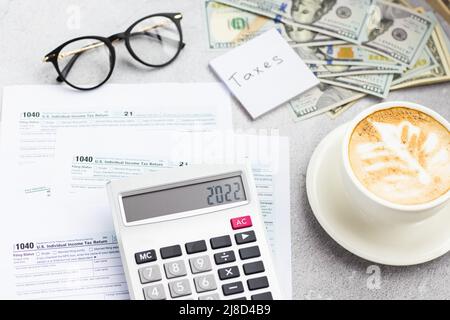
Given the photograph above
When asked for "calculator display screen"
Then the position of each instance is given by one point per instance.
(184, 198)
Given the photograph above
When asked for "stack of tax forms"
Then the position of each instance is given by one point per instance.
(59, 148)
(355, 47)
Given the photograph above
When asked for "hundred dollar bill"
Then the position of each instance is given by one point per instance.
(330, 71)
(345, 55)
(420, 76)
(426, 63)
(228, 27)
(341, 19)
(397, 32)
(321, 99)
(378, 85)
(441, 73)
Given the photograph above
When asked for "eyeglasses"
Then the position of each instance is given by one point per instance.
(86, 63)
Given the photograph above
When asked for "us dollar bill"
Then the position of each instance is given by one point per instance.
(321, 99)
(438, 48)
(228, 27)
(345, 55)
(426, 63)
(341, 19)
(331, 71)
(378, 85)
(397, 32)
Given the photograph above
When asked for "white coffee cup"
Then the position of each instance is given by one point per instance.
(372, 205)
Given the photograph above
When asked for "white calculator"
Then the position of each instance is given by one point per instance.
(193, 233)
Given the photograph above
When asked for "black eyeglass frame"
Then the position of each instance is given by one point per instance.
(54, 54)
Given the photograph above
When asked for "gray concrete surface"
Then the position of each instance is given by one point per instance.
(321, 268)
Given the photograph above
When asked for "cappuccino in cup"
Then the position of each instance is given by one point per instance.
(401, 155)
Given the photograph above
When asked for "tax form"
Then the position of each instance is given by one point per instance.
(32, 114)
(80, 212)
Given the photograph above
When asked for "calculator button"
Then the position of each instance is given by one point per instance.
(170, 252)
(240, 298)
(248, 253)
(205, 283)
(200, 264)
(254, 267)
(262, 296)
(257, 283)
(220, 242)
(224, 257)
(195, 247)
(245, 237)
(150, 274)
(214, 296)
(232, 288)
(180, 288)
(241, 223)
(155, 292)
(175, 269)
(145, 256)
(228, 273)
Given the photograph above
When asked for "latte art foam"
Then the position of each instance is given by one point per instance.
(402, 155)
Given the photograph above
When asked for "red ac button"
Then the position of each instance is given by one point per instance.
(241, 223)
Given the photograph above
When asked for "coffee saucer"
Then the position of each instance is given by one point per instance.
(394, 243)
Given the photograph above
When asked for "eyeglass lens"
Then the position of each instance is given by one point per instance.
(155, 41)
(87, 63)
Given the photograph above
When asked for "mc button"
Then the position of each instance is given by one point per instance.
(145, 256)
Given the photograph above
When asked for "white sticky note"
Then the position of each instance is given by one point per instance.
(264, 73)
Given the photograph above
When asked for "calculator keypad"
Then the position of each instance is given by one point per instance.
(170, 252)
(258, 283)
(220, 242)
(179, 288)
(253, 267)
(150, 274)
(224, 257)
(249, 253)
(175, 269)
(155, 292)
(205, 283)
(245, 237)
(145, 256)
(241, 223)
(200, 264)
(228, 273)
(248, 275)
(195, 247)
(232, 288)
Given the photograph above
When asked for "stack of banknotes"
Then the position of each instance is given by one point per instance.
(355, 47)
